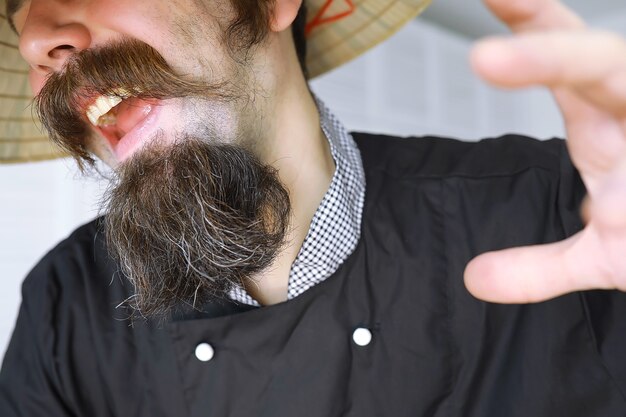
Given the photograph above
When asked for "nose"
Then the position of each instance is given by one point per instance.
(49, 37)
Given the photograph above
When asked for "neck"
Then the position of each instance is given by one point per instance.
(299, 150)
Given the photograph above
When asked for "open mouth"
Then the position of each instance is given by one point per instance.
(121, 119)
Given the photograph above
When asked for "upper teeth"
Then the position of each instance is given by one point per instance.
(102, 106)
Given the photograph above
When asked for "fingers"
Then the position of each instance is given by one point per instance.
(585, 119)
(527, 15)
(587, 72)
(553, 58)
(607, 209)
(529, 274)
(593, 63)
(593, 258)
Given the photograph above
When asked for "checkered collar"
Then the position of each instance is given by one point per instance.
(336, 226)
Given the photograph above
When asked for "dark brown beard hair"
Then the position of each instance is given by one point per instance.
(130, 66)
(188, 221)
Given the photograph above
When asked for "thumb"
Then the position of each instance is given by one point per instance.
(527, 274)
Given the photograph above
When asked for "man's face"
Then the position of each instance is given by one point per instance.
(188, 34)
(150, 88)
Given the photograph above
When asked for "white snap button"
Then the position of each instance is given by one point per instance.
(204, 352)
(362, 336)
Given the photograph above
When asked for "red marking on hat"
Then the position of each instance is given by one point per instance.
(319, 19)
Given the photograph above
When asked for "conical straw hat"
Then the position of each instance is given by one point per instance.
(337, 31)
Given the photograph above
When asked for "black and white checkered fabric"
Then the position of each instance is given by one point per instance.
(336, 226)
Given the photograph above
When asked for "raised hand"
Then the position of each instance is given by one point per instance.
(586, 71)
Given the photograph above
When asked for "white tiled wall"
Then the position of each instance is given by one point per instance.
(417, 83)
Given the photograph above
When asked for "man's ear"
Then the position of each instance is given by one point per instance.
(285, 12)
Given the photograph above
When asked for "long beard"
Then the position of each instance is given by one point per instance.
(190, 220)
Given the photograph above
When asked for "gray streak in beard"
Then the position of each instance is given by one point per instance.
(189, 220)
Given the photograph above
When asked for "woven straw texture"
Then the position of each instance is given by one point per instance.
(21, 138)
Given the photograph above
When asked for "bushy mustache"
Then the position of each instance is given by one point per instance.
(125, 68)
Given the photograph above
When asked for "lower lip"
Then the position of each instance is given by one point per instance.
(136, 137)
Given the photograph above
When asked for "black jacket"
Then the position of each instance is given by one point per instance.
(431, 205)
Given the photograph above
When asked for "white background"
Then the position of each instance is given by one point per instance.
(417, 83)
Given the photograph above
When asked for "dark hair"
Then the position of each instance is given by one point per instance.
(251, 26)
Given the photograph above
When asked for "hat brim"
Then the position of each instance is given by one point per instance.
(346, 29)
(372, 21)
